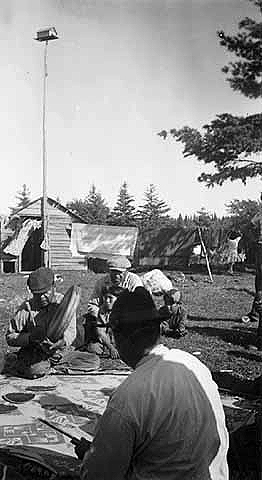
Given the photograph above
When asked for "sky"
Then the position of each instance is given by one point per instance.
(121, 71)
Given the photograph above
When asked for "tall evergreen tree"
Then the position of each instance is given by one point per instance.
(23, 199)
(79, 207)
(204, 219)
(92, 208)
(231, 143)
(153, 213)
(98, 210)
(124, 212)
(179, 221)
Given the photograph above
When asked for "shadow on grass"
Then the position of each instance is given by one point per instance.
(235, 289)
(216, 319)
(235, 337)
(257, 357)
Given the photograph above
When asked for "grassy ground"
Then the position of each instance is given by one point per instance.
(214, 326)
(215, 333)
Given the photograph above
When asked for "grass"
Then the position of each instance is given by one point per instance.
(215, 333)
(214, 309)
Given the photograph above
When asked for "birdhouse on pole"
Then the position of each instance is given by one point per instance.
(46, 34)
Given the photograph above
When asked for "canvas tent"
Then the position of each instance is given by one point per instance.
(167, 248)
(170, 248)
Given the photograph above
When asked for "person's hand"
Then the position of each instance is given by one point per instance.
(114, 353)
(81, 447)
(50, 347)
(47, 346)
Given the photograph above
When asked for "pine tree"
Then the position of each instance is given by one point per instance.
(231, 143)
(92, 208)
(179, 221)
(79, 207)
(23, 199)
(153, 213)
(204, 219)
(97, 208)
(124, 212)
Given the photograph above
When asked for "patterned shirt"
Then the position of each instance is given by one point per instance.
(29, 318)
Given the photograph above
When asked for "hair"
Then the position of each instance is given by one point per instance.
(145, 336)
(134, 315)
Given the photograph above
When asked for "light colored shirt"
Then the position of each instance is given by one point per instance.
(164, 422)
(129, 281)
(29, 318)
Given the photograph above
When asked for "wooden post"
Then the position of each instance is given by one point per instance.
(205, 253)
(44, 165)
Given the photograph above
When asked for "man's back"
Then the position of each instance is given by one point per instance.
(173, 407)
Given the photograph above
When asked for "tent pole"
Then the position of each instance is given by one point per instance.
(205, 253)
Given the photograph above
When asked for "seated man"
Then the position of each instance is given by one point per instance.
(166, 420)
(173, 311)
(98, 334)
(29, 327)
(118, 277)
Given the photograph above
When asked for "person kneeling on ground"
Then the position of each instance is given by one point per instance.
(166, 420)
(28, 329)
(173, 311)
(98, 333)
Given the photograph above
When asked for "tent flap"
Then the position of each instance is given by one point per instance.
(17, 244)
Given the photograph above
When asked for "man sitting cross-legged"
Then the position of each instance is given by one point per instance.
(30, 328)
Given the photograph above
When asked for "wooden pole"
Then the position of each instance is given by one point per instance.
(205, 253)
(44, 199)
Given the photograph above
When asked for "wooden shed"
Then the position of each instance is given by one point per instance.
(29, 254)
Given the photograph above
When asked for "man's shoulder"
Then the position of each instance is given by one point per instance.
(23, 306)
(131, 276)
(124, 391)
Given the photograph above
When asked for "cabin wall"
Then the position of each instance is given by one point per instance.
(59, 227)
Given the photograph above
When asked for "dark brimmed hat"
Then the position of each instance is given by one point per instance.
(120, 263)
(134, 310)
(41, 280)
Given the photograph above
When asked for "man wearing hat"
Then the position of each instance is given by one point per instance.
(166, 420)
(118, 278)
(28, 328)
